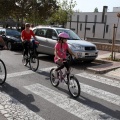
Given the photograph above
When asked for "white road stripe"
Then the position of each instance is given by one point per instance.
(72, 106)
(14, 110)
(16, 74)
(101, 94)
(28, 72)
(100, 79)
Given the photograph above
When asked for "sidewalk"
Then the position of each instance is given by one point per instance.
(105, 65)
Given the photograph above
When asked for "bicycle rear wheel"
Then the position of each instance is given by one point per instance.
(74, 87)
(34, 63)
(54, 81)
(3, 72)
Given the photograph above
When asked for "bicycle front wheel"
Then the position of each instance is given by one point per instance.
(34, 63)
(74, 87)
(3, 72)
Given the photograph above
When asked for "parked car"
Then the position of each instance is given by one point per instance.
(12, 38)
(47, 36)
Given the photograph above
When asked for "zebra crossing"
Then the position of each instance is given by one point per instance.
(13, 109)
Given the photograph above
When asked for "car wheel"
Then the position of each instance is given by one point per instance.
(9, 45)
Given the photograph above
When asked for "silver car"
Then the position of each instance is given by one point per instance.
(48, 36)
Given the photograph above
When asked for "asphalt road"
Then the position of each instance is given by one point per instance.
(29, 95)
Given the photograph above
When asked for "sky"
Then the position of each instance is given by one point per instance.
(90, 5)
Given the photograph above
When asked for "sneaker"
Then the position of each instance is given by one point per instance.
(55, 73)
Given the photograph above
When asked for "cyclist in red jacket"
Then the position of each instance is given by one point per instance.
(26, 36)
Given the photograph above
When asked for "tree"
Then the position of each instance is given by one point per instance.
(28, 10)
(96, 9)
(6, 8)
(61, 16)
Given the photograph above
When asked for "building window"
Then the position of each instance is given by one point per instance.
(107, 27)
(80, 27)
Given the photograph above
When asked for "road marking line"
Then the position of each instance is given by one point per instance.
(72, 106)
(101, 94)
(100, 79)
(28, 72)
(13, 109)
(86, 88)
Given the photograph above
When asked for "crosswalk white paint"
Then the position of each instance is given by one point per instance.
(14, 110)
(16, 74)
(82, 111)
(72, 106)
(100, 79)
(101, 94)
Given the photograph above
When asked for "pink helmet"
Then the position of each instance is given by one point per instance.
(63, 35)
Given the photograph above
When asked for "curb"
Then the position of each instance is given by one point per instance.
(96, 71)
(101, 69)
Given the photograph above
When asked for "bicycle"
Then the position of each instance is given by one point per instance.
(71, 81)
(32, 57)
(3, 70)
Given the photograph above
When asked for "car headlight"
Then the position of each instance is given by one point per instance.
(75, 47)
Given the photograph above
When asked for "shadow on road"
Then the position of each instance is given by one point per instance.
(19, 96)
(94, 105)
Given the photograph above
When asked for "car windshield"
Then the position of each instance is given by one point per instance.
(72, 35)
(12, 33)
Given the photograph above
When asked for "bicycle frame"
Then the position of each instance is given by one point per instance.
(62, 75)
(31, 51)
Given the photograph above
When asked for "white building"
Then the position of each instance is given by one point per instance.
(91, 24)
(116, 9)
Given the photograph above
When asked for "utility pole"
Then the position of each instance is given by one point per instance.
(114, 37)
(113, 42)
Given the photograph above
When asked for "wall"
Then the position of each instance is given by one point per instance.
(111, 19)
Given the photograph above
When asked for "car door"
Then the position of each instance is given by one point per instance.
(51, 39)
(40, 36)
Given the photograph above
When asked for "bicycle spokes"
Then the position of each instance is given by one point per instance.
(3, 72)
(74, 87)
(34, 63)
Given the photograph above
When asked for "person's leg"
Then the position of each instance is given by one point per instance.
(25, 48)
(60, 66)
(66, 65)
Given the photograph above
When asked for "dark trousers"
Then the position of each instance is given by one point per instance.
(65, 64)
(25, 47)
